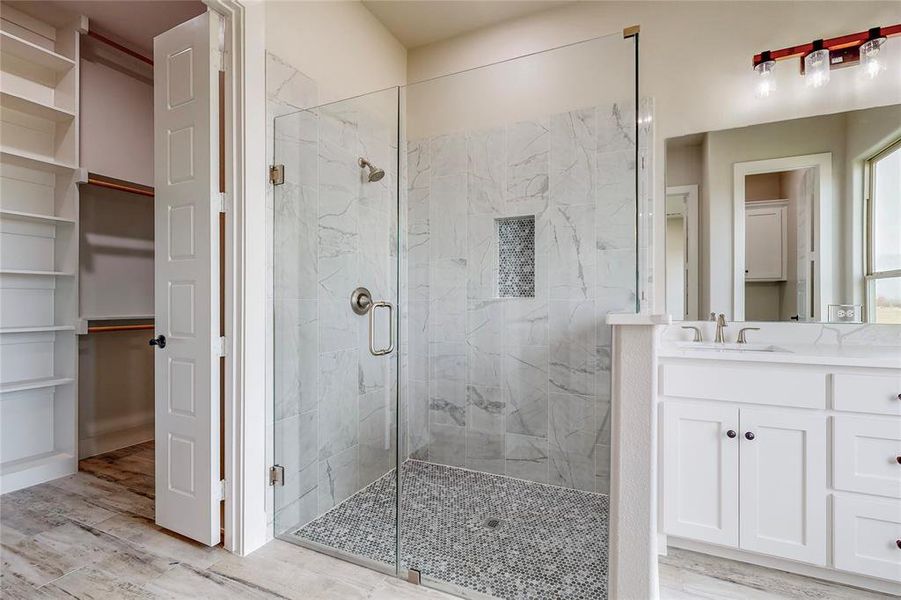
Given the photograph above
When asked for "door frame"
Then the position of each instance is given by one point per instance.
(822, 224)
(243, 285)
(692, 235)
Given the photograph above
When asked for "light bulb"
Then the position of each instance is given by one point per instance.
(766, 83)
(816, 67)
(869, 57)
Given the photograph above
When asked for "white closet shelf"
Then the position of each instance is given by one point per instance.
(37, 329)
(29, 462)
(115, 317)
(34, 217)
(35, 108)
(16, 46)
(35, 273)
(30, 160)
(34, 384)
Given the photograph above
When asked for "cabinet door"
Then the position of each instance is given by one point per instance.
(765, 240)
(700, 466)
(867, 536)
(783, 484)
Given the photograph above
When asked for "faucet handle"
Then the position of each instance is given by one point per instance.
(721, 320)
(742, 338)
(697, 331)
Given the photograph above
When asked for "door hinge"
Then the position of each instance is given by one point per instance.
(222, 346)
(277, 174)
(276, 475)
(223, 202)
(222, 489)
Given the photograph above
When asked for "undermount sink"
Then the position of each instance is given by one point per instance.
(730, 347)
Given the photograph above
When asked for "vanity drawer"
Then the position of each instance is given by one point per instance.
(879, 394)
(867, 451)
(758, 385)
(866, 536)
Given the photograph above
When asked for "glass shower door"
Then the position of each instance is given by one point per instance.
(335, 297)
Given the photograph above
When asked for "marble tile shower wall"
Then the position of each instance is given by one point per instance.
(333, 231)
(519, 386)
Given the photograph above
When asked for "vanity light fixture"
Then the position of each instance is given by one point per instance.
(819, 57)
(766, 84)
(816, 65)
(869, 53)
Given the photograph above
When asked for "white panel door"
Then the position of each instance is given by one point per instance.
(765, 237)
(185, 100)
(700, 467)
(783, 484)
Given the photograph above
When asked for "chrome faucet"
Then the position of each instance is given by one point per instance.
(720, 326)
(742, 338)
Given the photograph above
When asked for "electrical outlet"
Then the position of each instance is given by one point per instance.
(845, 313)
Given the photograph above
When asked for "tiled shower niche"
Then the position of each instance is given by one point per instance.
(516, 257)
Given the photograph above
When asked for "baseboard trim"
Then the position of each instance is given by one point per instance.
(114, 440)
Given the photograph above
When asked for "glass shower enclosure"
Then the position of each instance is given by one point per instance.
(445, 254)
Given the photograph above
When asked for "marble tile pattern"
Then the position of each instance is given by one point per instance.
(333, 230)
(519, 385)
(551, 542)
(92, 535)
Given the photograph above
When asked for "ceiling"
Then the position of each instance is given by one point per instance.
(134, 22)
(424, 22)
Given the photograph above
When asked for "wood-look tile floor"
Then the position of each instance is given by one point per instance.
(92, 535)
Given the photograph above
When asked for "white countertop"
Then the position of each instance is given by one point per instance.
(886, 357)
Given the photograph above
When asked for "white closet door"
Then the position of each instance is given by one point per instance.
(783, 484)
(185, 100)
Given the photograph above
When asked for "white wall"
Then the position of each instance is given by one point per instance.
(116, 122)
(695, 61)
(340, 45)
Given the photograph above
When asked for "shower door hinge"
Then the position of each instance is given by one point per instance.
(223, 202)
(276, 475)
(222, 347)
(222, 489)
(277, 174)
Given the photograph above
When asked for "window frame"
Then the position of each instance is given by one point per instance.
(870, 274)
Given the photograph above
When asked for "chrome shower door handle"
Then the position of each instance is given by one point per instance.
(372, 309)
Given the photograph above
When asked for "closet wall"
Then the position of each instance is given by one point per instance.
(116, 251)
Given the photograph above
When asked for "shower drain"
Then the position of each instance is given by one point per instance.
(492, 523)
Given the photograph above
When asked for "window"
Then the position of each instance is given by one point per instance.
(883, 273)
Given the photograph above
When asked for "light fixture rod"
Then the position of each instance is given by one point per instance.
(836, 43)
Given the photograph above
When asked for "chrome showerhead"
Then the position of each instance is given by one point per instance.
(375, 173)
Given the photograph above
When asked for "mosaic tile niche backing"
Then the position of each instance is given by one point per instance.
(516, 257)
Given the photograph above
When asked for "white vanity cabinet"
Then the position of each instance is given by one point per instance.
(792, 465)
(747, 478)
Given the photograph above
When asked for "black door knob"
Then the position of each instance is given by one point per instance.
(898, 543)
(159, 341)
(749, 435)
(898, 459)
(731, 433)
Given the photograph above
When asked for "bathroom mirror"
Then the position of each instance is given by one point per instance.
(795, 220)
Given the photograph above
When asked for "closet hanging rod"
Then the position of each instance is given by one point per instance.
(109, 328)
(97, 180)
(120, 47)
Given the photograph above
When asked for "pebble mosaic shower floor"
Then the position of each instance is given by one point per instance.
(550, 543)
